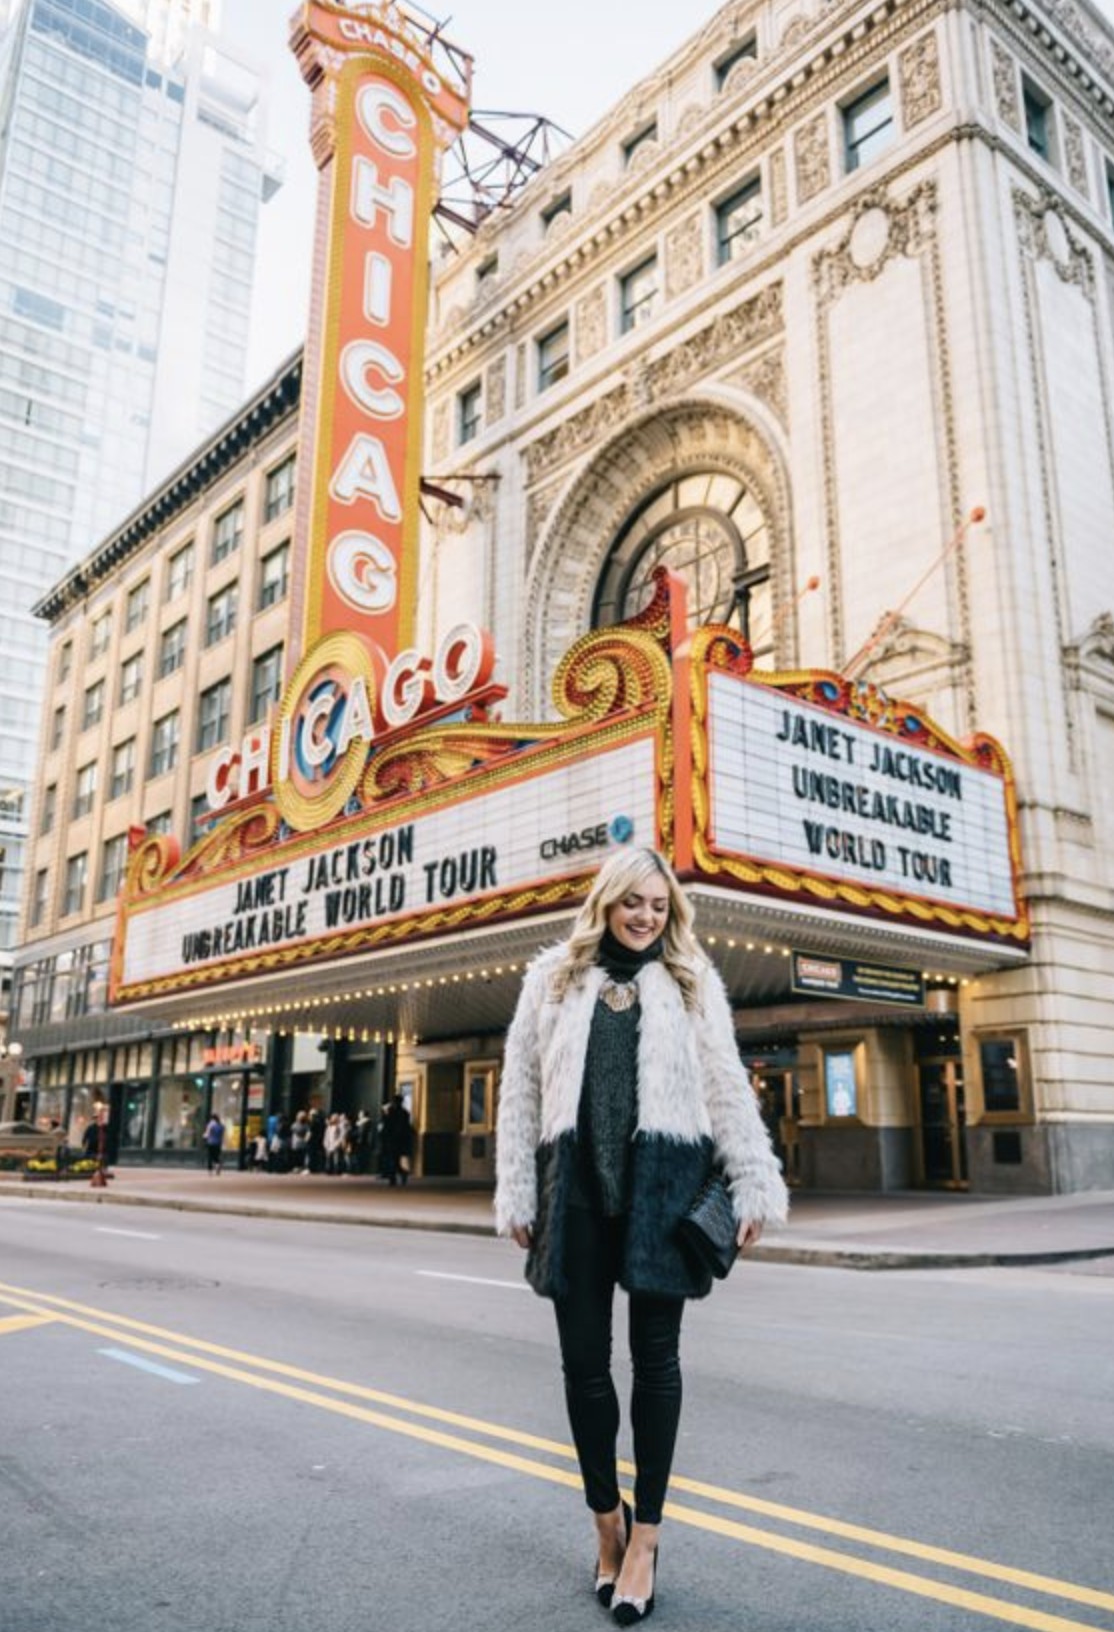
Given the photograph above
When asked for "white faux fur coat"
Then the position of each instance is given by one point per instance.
(695, 1105)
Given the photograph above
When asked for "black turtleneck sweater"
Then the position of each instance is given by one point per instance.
(608, 1110)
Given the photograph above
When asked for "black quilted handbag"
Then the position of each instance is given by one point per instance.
(709, 1229)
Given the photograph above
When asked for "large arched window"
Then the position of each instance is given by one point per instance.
(708, 529)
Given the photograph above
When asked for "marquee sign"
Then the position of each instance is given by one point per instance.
(818, 788)
(457, 823)
(368, 884)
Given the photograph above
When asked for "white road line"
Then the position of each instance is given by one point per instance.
(135, 1235)
(148, 1365)
(474, 1280)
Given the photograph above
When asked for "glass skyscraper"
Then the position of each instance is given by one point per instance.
(132, 168)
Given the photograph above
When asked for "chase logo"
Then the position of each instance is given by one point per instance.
(617, 831)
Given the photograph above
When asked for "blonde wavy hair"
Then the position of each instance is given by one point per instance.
(622, 872)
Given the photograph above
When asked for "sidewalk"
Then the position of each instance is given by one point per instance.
(907, 1230)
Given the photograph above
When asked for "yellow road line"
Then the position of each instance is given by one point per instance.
(23, 1323)
(122, 1329)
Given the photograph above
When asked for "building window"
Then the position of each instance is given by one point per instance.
(738, 222)
(708, 528)
(164, 744)
(172, 648)
(131, 678)
(58, 727)
(553, 356)
(266, 683)
(49, 806)
(159, 823)
(179, 572)
(213, 715)
(100, 633)
(123, 769)
(638, 295)
(85, 788)
(487, 269)
(469, 413)
(561, 205)
(648, 133)
(93, 705)
(77, 868)
(279, 494)
(136, 606)
(1002, 1066)
(220, 619)
(65, 661)
(1038, 119)
(199, 809)
(114, 863)
(1108, 171)
(746, 51)
(274, 577)
(868, 125)
(39, 896)
(228, 531)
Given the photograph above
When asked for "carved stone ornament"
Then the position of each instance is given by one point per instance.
(684, 256)
(1075, 161)
(539, 503)
(692, 118)
(813, 158)
(1006, 98)
(1092, 656)
(730, 334)
(441, 432)
(591, 324)
(881, 229)
(919, 70)
(646, 154)
(779, 187)
(741, 74)
(1079, 28)
(495, 391)
(765, 379)
(1044, 235)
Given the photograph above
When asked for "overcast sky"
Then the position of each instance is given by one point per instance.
(570, 61)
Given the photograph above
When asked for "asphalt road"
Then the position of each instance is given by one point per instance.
(239, 1425)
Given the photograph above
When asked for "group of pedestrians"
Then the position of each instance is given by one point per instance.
(336, 1145)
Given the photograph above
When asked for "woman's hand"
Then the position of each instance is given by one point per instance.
(749, 1234)
(524, 1235)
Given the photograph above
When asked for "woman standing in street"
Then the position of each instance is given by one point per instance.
(622, 1086)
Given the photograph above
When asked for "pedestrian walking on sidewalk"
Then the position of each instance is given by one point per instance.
(622, 1088)
(396, 1142)
(214, 1144)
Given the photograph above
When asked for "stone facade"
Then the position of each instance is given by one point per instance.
(917, 331)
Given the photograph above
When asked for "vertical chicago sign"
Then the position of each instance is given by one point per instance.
(383, 113)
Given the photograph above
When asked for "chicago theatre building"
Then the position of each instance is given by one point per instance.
(740, 484)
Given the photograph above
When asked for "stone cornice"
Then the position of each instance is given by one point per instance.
(275, 400)
(1041, 30)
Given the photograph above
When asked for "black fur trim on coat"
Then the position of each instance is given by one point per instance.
(665, 1176)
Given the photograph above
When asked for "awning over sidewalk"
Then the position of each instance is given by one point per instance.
(468, 982)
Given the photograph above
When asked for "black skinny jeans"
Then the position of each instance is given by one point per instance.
(593, 1255)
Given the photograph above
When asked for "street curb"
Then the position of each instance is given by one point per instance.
(857, 1258)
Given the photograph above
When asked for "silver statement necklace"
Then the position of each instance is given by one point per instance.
(619, 995)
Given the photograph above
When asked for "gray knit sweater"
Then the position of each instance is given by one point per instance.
(608, 1111)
